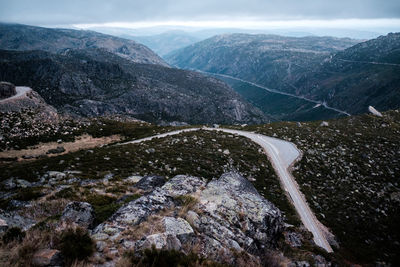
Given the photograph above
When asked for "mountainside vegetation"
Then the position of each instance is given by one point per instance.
(346, 75)
(24, 37)
(94, 82)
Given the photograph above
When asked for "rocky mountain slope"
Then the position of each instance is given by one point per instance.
(208, 214)
(266, 59)
(363, 75)
(95, 82)
(346, 75)
(24, 37)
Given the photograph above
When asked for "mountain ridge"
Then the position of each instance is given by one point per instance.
(25, 37)
(95, 82)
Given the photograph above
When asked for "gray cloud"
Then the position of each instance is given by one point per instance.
(47, 12)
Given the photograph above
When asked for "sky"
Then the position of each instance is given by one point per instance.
(362, 14)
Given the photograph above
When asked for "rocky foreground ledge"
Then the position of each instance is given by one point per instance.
(219, 220)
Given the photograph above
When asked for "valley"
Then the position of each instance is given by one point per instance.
(237, 150)
(281, 106)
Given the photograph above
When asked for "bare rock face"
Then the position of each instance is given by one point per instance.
(218, 218)
(80, 213)
(7, 90)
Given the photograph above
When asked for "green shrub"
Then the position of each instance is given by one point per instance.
(168, 258)
(104, 207)
(13, 234)
(27, 194)
(76, 244)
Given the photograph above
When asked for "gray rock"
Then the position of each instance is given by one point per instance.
(57, 150)
(148, 183)
(14, 219)
(299, 264)
(23, 183)
(229, 215)
(293, 239)
(324, 124)
(80, 213)
(3, 226)
(160, 241)
(9, 184)
(47, 257)
(55, 175)
(133, 178)
(161, 198)
(178, 227)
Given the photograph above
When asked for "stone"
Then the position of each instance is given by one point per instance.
(47, 257)
(228, 215)
(293, 239)
(374, 111)
(101, 245)
(324, 124)
(178, 227)
(133, 178)
(299, 264)
(57, 150)
(23, 183)
(160, 241)
(56, 175)
(3, 226)
(9, 184)
(150, 182)
(14, 219)
(80, 213)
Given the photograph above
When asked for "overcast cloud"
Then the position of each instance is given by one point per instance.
(53, 12)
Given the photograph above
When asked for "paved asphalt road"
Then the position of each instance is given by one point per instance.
(282, 155)
(21, 90)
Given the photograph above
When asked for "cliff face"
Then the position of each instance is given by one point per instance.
(94, 82)
(24, 37)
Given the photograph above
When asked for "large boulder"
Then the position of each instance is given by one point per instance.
(216, 219)
(80, 213)
(10, 219)
(150, 182)
(7, 90)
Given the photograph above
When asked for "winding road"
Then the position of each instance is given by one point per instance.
(323, 103)
(21, 91)
(282, 155)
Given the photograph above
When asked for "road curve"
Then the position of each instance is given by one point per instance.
(21, 91)
(282, 155)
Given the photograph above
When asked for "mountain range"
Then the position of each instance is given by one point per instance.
(97, 80)
(341, 71)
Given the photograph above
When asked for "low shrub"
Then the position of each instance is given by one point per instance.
(13, 234)
(76, 244)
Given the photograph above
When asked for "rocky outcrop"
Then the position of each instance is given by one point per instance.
(218, 218)
(7, 90)
(80, 213)
(30, 100)
(9, 219)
